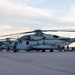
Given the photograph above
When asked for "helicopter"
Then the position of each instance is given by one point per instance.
(38, 40)
(5, 43)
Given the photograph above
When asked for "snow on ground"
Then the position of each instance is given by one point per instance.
(37, 63)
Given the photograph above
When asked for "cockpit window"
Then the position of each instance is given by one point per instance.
(55, 36)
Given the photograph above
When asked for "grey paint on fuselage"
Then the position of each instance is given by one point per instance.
(40, 40)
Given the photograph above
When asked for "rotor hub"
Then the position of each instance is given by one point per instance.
(38, 31)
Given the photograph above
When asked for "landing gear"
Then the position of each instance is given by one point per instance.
(15, 51)
(60, 50)
(28, 50)
(51, 50)
(43, 50)
(64, 50)
(37, 50)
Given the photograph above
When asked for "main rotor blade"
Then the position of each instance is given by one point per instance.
(65, 30)
(57, 30)
(17, 33)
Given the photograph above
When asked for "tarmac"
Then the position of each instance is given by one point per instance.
(37, 63)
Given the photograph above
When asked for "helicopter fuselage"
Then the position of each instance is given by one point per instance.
(45, 41)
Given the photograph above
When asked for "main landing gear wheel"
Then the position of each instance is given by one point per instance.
(43, 50)
(60, 50)
(37, 50)
(51, 50)
(14, 51)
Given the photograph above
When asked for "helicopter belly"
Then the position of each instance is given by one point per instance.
(43, 47)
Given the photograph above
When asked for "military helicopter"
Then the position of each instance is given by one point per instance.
(37, 40)
(6, 43)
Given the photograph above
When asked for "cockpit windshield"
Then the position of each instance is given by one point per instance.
(55, 36)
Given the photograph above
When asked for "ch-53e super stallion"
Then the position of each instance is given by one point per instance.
(6, 43)
(40, 41)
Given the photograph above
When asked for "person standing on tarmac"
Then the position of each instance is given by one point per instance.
(67, 48)
(8, 49)
(1, 49)
(15, 45)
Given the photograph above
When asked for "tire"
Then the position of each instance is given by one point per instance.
(43, 50)
(14, 51)
(60, 50)
(51, 50)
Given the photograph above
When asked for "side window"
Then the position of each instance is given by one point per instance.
(27, 42)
